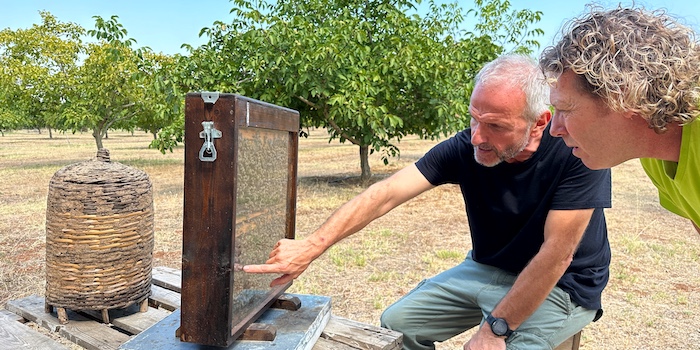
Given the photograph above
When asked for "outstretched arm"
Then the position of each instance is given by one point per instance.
(292, 257)
(563, 231)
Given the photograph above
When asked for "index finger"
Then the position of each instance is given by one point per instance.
(263, 268)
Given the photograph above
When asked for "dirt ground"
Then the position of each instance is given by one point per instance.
(651, 302)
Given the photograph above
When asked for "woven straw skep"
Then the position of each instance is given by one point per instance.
(99, 236)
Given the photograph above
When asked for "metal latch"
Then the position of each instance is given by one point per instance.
(210, 97)
(208, 153)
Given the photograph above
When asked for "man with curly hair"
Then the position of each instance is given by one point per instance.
(625, 84)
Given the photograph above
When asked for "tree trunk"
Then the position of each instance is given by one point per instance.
(364, 164)
(50, 133)
(98, 138)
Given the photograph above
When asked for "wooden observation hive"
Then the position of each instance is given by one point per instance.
(239, 200)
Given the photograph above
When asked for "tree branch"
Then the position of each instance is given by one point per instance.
(110, 122)
(342, 133)
(332, 123)
(309, 103)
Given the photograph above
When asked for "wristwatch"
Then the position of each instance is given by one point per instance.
(499, 326)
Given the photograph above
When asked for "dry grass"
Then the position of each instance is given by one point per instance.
(652, 301)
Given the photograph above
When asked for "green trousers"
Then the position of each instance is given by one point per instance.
(460, 298)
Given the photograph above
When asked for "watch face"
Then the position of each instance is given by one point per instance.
(499, 327)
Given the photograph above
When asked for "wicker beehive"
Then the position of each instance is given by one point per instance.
(99, 237)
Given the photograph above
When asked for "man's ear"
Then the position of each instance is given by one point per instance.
(542, 121)
(545, 117)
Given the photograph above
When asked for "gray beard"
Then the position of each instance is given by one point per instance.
(508, 153)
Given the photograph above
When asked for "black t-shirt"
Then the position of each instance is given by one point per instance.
(507, 206)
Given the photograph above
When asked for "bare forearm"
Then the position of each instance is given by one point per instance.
(353, 216)
(532, 286)
(371, 204)
(562, 233)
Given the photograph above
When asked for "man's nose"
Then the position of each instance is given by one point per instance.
(477, 136)
(557, 128)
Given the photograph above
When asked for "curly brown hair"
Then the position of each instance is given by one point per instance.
(634, 60)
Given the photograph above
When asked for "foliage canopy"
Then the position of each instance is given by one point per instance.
(366, 70)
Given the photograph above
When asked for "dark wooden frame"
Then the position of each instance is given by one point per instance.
(209, 213)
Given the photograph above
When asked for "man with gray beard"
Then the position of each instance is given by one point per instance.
(540, 253)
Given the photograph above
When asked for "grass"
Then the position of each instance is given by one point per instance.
(655, 272)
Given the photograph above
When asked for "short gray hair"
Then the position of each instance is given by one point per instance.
(522, 72)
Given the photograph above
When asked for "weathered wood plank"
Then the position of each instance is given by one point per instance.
(80, 329)
(130, 319)
(164, 298)
(32, 308)
(16, 335)
(7, 315)
(259, 332)
(325, 344)
(361, 335)
(167, 278)
(92, 335)
(140, 321)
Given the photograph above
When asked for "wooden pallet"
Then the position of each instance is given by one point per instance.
(86, 329)
(14, 334)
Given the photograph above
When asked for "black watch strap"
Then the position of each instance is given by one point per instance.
(499, 326)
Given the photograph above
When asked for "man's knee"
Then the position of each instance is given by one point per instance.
(392, 318)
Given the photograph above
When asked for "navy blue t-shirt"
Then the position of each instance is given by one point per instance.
(507, 206)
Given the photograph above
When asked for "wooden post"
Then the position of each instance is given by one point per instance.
(239, 200)
(572, 343)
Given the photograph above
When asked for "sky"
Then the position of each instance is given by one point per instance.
(165, 25)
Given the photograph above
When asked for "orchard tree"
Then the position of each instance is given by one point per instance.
(8, 120)
(161, 102)
(11, 116)
(38, 64)
(366, 70)
(107, 88)
(507, 27)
